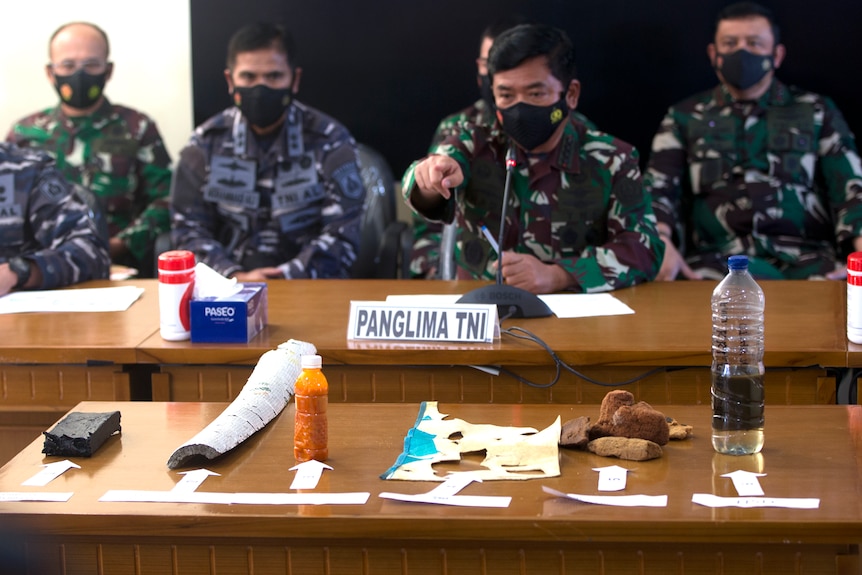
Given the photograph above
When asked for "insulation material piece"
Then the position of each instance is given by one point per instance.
(265, 394)
(510, 452)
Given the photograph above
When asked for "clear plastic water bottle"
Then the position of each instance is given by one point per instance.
(737, 361)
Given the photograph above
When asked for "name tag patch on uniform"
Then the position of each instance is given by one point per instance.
(232, 181)
(7, 189)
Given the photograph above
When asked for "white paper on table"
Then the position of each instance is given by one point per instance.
(142, 496)
(33, 496)
(71, 300)
(614, 500)
(567, 305)
(710, 500)
(564, 305)
(456, 500)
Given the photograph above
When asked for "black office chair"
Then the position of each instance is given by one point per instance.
(385, 243)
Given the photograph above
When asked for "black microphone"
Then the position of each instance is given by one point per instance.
(510, 301)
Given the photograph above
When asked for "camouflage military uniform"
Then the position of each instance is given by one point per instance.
(581, 206)
(426, 235)
(295, 202)
(42, 220)
(777, 179)
(116, 153)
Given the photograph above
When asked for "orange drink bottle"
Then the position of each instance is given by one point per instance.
(311, 395)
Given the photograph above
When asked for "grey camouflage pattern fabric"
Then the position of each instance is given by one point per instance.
(44, 220)
(778, 180)
(293, 201)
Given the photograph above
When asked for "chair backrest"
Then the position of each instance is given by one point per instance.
(378, 214)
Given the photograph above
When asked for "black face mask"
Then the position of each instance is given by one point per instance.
(485, 91)
(531, 126)
(261, 105)
(80, 90)
(742, 69)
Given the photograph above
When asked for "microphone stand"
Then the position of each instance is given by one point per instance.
(510, 301)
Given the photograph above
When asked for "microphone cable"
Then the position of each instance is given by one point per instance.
(559, 364)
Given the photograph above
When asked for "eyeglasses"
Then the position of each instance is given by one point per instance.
(69, 67)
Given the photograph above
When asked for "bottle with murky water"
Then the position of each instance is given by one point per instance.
(737, 361)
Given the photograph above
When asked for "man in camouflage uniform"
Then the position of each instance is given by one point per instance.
(425, 259)
(269, 188)
(113, 151)
(755, 167)
(47, 237)
(579, 218)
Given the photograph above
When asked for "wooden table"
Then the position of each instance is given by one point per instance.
(811, 451)
(805, 333)
(51, 361)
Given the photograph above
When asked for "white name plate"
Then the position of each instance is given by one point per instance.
(378, 320)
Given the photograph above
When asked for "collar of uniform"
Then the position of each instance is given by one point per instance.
(566, 156)
(103, 112)
(776, 95)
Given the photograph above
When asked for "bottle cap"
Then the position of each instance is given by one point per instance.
(854, 262)
(176, 260)
(737, 262)
(310, 362)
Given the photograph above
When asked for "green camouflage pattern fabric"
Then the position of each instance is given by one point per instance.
(777, 179)
(43, 220)
(292, 201)
(425, 256)
(582, 206)
(117, 153)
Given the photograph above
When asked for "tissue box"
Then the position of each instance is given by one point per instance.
(230, 319)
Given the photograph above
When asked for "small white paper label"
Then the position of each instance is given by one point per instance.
(50, 472)
(192, 480)
(746, 482)
(612, 478)
(308, 474)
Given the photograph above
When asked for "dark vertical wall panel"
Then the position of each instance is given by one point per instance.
(390, 69)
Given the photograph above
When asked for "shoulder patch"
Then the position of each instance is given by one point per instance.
(349, 181)
(52, 189)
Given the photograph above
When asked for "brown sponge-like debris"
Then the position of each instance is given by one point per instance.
(642, 421)
(632, 449)
(612, 401)
(575, 432)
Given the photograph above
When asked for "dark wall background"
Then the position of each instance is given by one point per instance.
(391, 69)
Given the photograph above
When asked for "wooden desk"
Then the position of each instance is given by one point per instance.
(805, 333)
(51, 361)
(811, 451)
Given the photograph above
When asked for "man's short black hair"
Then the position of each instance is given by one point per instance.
(260, 36)
(743, 10)
(526, 41)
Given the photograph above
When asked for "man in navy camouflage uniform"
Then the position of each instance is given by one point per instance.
(47, 237)
(269, 188)
(578, 219)
(755, 167)
(115, 152)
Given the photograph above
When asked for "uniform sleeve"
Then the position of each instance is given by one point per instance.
(666, 171)
(456, 146)
(151, 196)
(633, 251)
(331, 254)
(193, 220)
(840, 168)
(71, 250)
